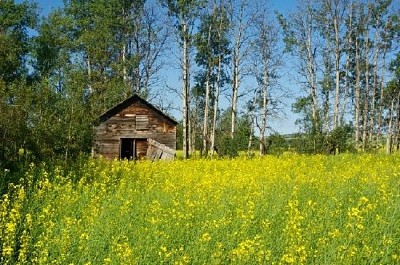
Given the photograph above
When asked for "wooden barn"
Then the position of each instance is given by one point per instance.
(135, 129)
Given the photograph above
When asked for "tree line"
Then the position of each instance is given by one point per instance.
(346, 51)
(59, 72)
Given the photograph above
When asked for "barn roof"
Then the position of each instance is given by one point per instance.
(126, 103)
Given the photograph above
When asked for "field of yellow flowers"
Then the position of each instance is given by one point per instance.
(290, 209)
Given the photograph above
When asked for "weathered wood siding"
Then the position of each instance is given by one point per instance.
(138, 121)
(157, 151)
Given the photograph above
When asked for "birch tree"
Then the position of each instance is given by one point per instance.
(184, 13)
(300, 36)
(332, 14)
(242, 14)
(212, 56)
(266, 62)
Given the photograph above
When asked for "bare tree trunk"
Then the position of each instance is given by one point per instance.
(336, 114)
(346, 89)
(206, 114)
(357, 99)
(365, 116)
(312, 73)
(349, 43)
(185, 90)
(216, 99)
(137, 77)
(207, 102)
(381, 89)
(264, 111)
(192, 133)
(124, 51)
(325, 107)
(124, 71)
(367, 92)
(373, 99)
(250, 143)
(240, 28)
(389, 135)
(326, 89)
(252, 124)
(235, 88)
(236, 73)
(376, 41)
(89, 73)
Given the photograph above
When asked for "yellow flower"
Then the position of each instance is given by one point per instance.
(7, 251)
(205, 237)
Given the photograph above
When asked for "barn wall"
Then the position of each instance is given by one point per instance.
(136, 121)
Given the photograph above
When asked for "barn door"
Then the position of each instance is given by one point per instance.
(132, 148)
(127, 148)
(140, 148)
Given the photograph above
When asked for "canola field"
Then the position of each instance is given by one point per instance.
(290, 209)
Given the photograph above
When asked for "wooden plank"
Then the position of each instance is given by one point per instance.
(157, 151)
(141, 148)
(119, 119)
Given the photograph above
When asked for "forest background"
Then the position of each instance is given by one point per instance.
(233, 64)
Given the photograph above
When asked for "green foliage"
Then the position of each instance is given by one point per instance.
(16, 90)
(179, 136)
(305, 143)
(278, 144)
(15, 20)
(15, 132)
(339, 140)
(228, 146)
(307, 122)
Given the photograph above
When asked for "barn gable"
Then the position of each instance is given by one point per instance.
(135, 129)
(128, 102)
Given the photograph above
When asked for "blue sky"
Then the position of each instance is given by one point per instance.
(284, 124)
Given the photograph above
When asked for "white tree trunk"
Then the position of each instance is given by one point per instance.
(235, 91)
(206, 116)
(357, 98)
(367, 92)
(185, 90)
(216, 99)
(264, 111)
(389, 135)
(207, 102)
(336, 114)
(312, 76)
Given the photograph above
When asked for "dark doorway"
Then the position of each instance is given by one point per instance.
(128, 148)
(132, 148)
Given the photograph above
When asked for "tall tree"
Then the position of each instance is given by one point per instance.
(15, 20)
(185, 13)
(213, 56)
(383, 32)
(15, 79)
(301, 36)
(392, 100)
(242, 14)
(332, 18)
(119, 43)
(266, 62)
